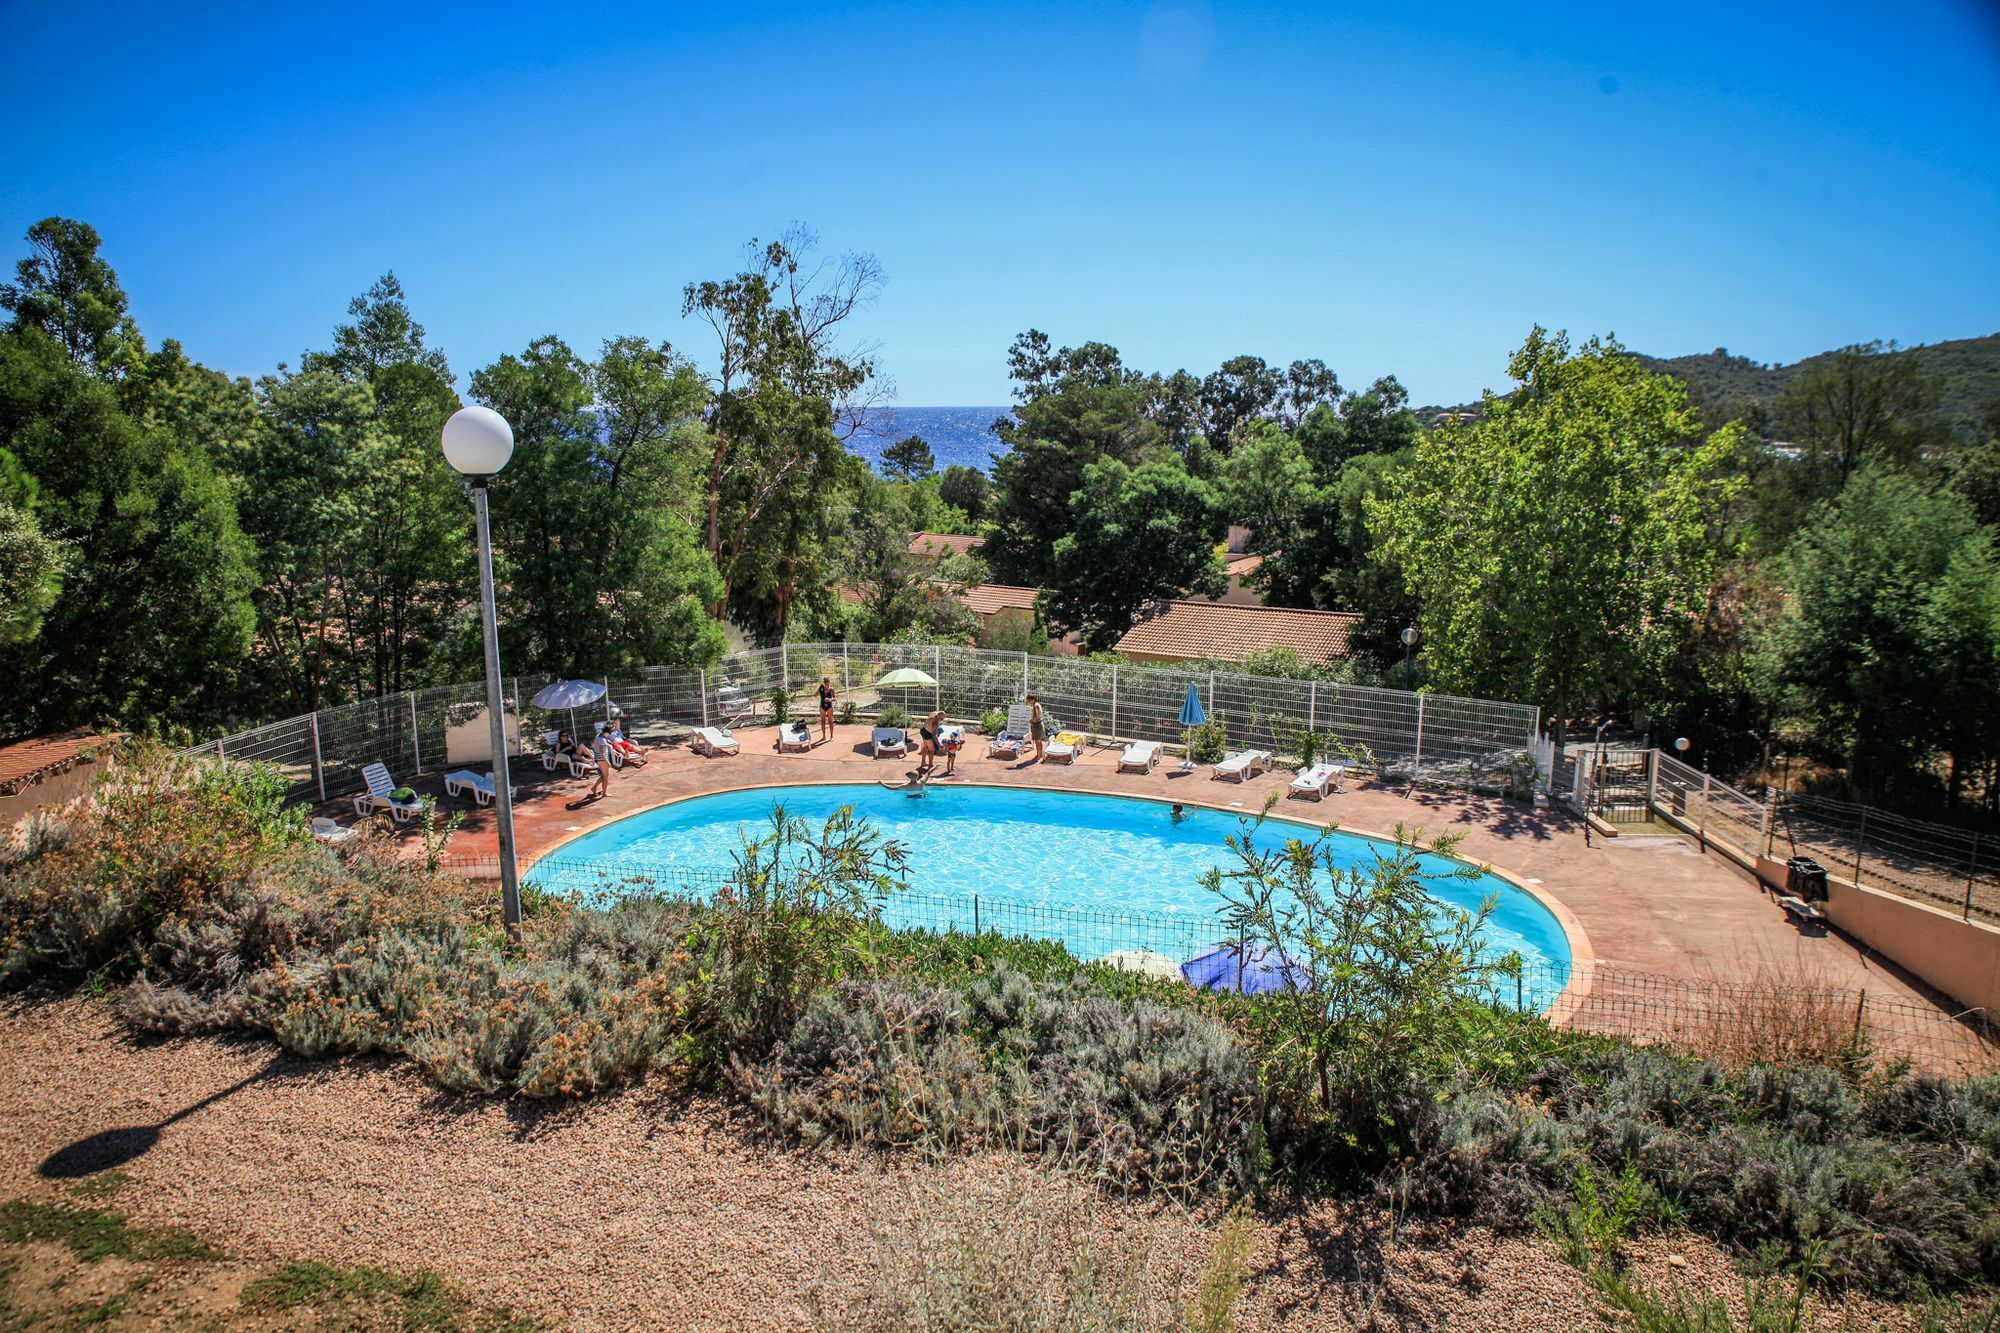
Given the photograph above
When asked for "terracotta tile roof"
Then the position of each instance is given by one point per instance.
(1194, 629)
(939, 543)
(25, 761)
(1242, 566)
(990, 597)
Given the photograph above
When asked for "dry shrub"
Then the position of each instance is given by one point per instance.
(1787, 1013)
(1020, 1251)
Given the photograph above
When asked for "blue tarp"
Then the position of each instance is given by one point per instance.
(1261, 968)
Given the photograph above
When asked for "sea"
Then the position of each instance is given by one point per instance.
(956, 435)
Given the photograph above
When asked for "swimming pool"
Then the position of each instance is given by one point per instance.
(1098, 873)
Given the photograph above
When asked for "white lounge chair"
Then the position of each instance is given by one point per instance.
(551, 756)
(1010, 742)
(462, 781)
(796, 737)
(378, 796)
(714, 741)
(1244, 765)
(1062, 748)
(889, 741)
(331, 830)
(1141, 756)
(1315, 781)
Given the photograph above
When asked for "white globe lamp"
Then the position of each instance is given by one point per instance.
(478, 441)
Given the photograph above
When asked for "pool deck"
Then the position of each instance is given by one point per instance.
(1655, 905)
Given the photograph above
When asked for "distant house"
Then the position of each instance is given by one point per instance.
(1193, 629)
(997, 604)
(1238, 567)
(937, 545)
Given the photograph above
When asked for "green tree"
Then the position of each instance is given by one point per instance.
(783, 396)
(965, 489)
(1887, 645)
(154, 616)
(1140, 535)
(908, 460)
(1859, 404)
(31, 567)
(67, 290)
(1076, 406)
(1561, 547)
(605, 573)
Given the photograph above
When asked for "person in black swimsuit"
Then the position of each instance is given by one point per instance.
(826, 708)
(927, 742)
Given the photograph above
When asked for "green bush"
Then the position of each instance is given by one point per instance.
(849, 713)
(1207, 743)
(893, 715)
(993, 722)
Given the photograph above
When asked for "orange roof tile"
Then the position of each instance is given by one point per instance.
(987, 598)
(941, 543)
(1196, 629)
(25, 761)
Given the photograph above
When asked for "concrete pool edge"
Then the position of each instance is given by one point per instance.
(1582, 960)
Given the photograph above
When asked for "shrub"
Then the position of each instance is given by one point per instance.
(993, 722)
(849, 714)
(893, 715)
(1207, 743)
(781, 704)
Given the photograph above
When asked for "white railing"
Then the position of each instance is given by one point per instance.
(1469, 743)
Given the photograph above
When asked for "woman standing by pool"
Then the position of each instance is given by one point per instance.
(1038, 731)
(927, 741)
(826, 708)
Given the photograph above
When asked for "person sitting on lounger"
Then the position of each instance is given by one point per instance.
(626, 750)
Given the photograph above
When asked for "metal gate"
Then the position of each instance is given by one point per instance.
(1621, 784)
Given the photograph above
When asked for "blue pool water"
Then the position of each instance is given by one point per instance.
(1099, 873)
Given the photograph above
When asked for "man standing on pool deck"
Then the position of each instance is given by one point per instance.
(826, 708)
(1037, 730)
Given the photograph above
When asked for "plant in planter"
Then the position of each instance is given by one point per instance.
(1207, 743)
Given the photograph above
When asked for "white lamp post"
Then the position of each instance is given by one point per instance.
(1409, 638)
(478, 442)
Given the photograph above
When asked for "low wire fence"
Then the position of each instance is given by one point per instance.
(1776, 1014)
(1476, 744)
(1953, 868)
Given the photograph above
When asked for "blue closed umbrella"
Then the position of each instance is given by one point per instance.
(1256, 969)
(1191, 711)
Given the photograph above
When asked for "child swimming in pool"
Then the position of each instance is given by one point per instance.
(1178, 814)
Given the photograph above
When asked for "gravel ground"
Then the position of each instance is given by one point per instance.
(647, 1209)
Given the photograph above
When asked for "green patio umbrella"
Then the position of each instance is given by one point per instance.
(908, 676)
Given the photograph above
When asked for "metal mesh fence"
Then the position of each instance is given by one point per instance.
(1470, 743)
(1764, 1017)
(1934, 863)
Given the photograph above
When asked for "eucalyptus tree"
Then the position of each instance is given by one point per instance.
(1561, 548)
(784, 394)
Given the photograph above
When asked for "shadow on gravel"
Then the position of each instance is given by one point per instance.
(115, 1147)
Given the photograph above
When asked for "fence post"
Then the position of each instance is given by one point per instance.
(1652, 781)
(1971, 869)
(846, 677)
(1114, 702)
(975, 914)
(1860, 1008)
(1417, 763)
(319, 776)
(416, 743)
(704, 696)
(220, 757)
(937, 661)
(1520, 1001)
(785, 667)
(1024, 674)
(1211, 691)
(1770, 835)
(1703, 826)
(1860, 835)
(1312, 705)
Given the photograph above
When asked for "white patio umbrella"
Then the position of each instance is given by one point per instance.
(570, 695)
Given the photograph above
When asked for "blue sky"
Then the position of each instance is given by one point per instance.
(1397, 189)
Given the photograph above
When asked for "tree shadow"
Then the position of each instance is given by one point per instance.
(110, 1148)
(1501, 817)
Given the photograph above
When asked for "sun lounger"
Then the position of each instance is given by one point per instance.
(1141, 756)
(1009, 743)
(1315, 781)
(889, 741)
(1802, 912)
(714, 741)
(551, 756)
(796, 737)
(1062, 750)
(733, 704)
(1243, 765)
(480, 785)
(330, 830)
(379, 797)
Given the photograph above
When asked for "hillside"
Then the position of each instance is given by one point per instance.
(1966, 371)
